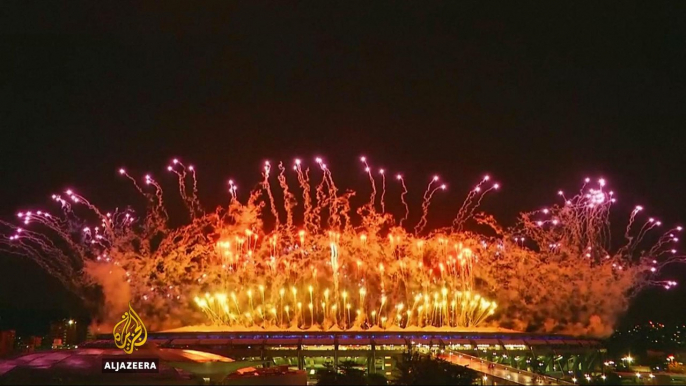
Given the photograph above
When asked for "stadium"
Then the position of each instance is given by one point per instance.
(508, 356)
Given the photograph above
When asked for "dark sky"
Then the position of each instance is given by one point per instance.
(539, 95)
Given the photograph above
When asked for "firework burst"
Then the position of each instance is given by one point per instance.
(343, 267)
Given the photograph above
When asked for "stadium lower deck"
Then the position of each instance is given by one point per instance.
(377, 352)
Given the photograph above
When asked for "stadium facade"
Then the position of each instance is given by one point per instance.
(377, 352)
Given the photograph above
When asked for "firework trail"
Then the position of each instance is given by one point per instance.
(196, 199)
(632, 218)
(471, 211)
(267, 188)
(464, 213)
(428, 195)
(332, 199)
(191, 201)
(372, 197)
(383, 190)
(402, 199)
(289, 199)
(304, 181)
(158, 211)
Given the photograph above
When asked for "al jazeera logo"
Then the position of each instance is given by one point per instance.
(130, 334)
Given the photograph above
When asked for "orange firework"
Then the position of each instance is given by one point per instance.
(553, 271)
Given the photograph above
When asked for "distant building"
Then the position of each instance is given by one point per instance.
(7, 342)
(34, 343)
(28, 344)
(652, 336)
(64, 333)
(90, 335)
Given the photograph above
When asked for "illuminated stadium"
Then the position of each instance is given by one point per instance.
(376, 352)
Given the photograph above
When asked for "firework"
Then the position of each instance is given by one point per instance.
(344, 267)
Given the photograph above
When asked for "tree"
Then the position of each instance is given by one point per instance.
(376, 380)
(347, 374)
(418, 369)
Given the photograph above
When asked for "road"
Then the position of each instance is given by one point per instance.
(519, 377)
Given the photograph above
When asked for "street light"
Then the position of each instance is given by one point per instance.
(71, 322)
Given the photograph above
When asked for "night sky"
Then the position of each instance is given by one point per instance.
(540, 96)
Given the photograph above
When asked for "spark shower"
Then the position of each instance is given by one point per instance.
(322, 264)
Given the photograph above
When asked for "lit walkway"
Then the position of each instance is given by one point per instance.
(499, 372)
